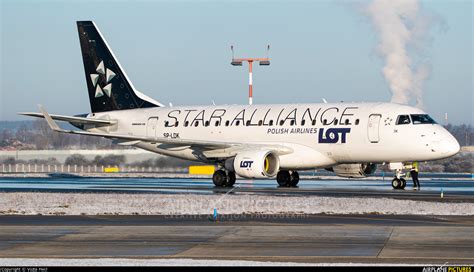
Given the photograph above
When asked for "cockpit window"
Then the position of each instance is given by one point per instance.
(403, 120)
(422, 119)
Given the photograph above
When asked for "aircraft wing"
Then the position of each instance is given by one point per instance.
(72, 119)
(214, 149)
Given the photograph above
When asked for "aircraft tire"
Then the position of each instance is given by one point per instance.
(295, 178)
(230, 179)
(284, 178)
(219, 178)
(403, 183)
(396, 183)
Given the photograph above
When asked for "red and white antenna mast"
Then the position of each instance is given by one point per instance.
(239, 61)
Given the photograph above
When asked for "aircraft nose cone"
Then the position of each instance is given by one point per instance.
(444, 143)
(454, 146)
(450, 146)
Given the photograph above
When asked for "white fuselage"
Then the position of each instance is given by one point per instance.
(319, 135)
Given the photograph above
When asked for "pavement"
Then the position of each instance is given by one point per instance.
(303, 238)
(368, 238)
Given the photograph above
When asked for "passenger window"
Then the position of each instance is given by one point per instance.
(313, 122)
(303, 122)
(282, 122)
(357, 121)
(260, 122)
(237, 123)
(196, 124)
(271, 123)
(325, 122)
(247, 123)
(167, 123)
(292, 123)
(176, 124)
(346, 122)
(335, 122)
(403, 120)
(207, 123)
(217, 123)
(227, 123)
(186, 123)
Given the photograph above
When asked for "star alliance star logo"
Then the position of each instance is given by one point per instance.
(388, 121)
(109, 74)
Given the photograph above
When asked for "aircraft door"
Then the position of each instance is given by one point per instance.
(151, 126)
(373, 128)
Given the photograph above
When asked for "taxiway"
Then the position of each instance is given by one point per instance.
(311, 238)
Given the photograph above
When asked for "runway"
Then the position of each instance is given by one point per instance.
(455, 190)
(315, 238)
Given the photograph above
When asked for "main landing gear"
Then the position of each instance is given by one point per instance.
(398, 182)
(288, 178)
(222, 178)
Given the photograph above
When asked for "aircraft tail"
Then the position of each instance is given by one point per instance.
(107, 83)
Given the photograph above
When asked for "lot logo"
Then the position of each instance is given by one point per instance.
(331, 136)
(246, 164)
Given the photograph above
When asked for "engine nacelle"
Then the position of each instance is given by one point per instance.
(354, 170)
(254, 164)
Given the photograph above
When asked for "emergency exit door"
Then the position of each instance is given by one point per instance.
(373, 128)
(151, 126)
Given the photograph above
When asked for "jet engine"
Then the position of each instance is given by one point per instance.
(354, 170)
(254, 164)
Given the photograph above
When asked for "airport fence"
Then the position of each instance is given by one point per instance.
(62, 168)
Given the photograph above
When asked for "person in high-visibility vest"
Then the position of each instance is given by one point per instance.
(414, 175)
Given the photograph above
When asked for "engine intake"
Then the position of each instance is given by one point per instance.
(254, 164)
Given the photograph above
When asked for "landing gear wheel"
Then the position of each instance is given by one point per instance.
(396, 183)
(219, 178)
(230, 179)
(295, 178)
(284, 178)
(403, 183)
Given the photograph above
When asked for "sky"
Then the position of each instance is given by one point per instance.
(179, 52)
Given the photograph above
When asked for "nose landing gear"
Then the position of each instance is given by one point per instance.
(398, 182)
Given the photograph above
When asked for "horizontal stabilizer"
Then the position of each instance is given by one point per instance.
(72, 119)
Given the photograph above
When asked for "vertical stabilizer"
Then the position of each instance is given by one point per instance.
(107, 83)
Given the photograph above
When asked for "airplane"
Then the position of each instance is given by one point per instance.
(252, 141)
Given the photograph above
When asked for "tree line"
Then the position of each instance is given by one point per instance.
(109, 160)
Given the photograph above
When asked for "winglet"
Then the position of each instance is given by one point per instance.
(50, 120)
